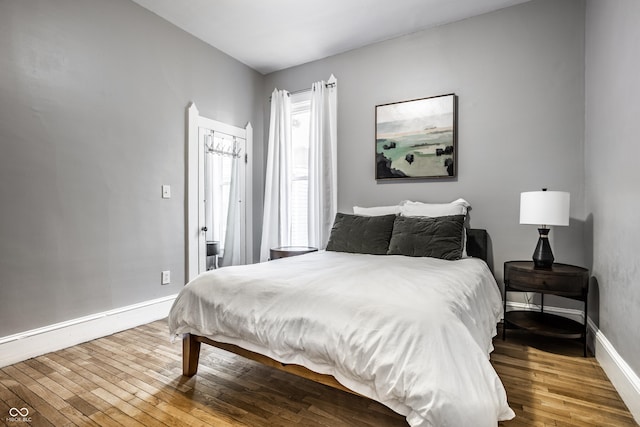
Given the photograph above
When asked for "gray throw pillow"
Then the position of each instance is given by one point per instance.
(437, 237)
(361, 234)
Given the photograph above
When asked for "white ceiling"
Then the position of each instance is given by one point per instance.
(271, 35)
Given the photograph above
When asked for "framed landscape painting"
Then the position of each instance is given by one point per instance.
(417, 139)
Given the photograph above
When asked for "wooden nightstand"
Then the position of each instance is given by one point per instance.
(563, 280)
(287, 251)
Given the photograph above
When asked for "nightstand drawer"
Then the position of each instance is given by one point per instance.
(561, 279)
(546, 282)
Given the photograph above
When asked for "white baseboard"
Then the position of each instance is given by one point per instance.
(36, 342)
(626, 382)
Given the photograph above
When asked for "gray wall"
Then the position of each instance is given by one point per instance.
(519, 76)
(92, 123)
(612, 172)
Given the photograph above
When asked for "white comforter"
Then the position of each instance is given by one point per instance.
(412, 333)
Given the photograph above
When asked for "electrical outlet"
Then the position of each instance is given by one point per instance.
(166, 277)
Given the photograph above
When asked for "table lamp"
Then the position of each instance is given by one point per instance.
(544, 208)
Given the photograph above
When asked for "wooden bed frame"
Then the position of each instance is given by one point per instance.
(477, 246)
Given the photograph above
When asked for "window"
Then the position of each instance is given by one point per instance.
(300, 116)
(309, 136)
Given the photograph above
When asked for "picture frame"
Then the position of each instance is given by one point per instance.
(417, 139)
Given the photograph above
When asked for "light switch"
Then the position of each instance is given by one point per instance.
(166, 191)
(166, 277)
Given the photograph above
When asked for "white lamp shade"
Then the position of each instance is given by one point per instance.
(544, 208)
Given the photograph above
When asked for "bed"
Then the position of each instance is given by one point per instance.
(411, 332)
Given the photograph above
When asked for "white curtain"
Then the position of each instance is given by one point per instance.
(233, 236)
(323, 162)
(275, 220)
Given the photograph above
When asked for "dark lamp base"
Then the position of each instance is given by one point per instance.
(543, 256)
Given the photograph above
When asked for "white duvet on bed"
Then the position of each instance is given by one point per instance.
(412, 333)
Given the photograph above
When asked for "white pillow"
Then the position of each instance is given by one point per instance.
(377, 210)
(457, 207)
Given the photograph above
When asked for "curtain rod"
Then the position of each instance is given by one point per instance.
(327, 85)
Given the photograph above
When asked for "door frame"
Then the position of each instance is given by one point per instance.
(196, 240)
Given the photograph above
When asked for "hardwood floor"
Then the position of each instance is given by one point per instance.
(549, 383)
(133, 378)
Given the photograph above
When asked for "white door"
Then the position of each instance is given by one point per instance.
(212, 147)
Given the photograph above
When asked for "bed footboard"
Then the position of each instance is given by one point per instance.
(190, 355)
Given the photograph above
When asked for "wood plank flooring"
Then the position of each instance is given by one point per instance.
(133, 378)
(549, 383)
